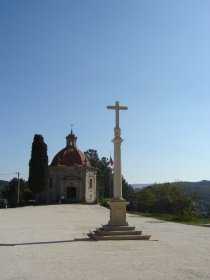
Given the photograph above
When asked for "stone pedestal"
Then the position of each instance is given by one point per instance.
(118, 213)
(117, 227)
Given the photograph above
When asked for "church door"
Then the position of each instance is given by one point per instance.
(71, 194)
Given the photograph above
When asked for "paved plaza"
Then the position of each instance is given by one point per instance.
(38, 242)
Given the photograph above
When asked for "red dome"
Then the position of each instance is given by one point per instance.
(70, 156)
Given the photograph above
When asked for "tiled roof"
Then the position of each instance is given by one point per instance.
(70, 156)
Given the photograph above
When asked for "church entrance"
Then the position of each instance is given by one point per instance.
(71, 194)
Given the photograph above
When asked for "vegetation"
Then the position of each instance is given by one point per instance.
(127, 191)
(104, 202)
(105, 177)
(178, 202)
(167, 199)
(202, 188)
(3, 183)
(104, 183)
(38, 167)
(193, 220)
(11, 191)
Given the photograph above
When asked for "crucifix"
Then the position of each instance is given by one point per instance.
(117, 154)
(117, 107)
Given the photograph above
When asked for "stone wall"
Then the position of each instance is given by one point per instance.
(72, 184)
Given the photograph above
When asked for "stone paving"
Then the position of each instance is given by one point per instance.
(38, 242)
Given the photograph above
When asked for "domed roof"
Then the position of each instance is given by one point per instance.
(70, 155)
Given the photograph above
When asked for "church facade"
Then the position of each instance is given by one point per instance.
(71, 176)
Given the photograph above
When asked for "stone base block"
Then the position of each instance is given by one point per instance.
(118, 213)
(117, 233)
(117, 228)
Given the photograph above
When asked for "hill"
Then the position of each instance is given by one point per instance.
(202, 188)
(202, 191)
(139, 186)
(3, 183)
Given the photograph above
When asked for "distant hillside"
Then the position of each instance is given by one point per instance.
(3, 183)
(139, 186)
(201, 188)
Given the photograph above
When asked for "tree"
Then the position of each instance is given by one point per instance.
(104, 173)
(92, 156)
(105, 176)
(166, 199)
(38, 167)
(11, 191)
(127, 191)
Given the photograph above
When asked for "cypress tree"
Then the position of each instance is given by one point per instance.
(38, 166)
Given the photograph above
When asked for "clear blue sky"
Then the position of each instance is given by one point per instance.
(62, 62)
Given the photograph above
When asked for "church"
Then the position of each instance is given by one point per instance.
(71, 176)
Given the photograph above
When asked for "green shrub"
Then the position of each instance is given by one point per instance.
(104, 202)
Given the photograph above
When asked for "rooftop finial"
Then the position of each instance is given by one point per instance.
(72, 128)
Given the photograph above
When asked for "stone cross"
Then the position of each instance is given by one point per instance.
(117, 154)
(117, 107)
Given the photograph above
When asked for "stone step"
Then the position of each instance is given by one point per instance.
(116, 228)
(119, 232)
(118, 237)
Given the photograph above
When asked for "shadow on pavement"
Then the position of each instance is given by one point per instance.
(46, 242)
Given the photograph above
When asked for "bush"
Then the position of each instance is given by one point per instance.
(104, 202)
(27, 195)
(167, 199)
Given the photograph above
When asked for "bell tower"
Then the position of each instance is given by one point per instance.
(71, 139)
